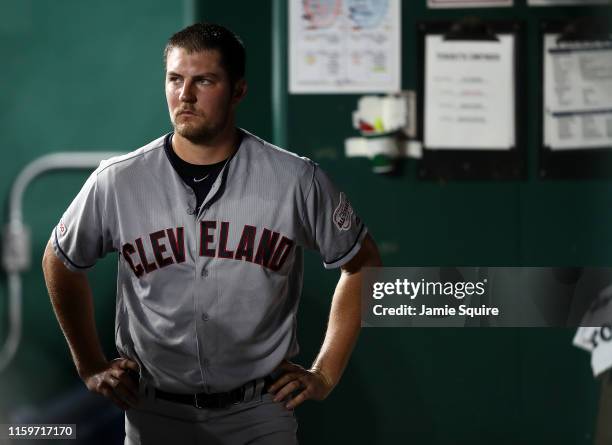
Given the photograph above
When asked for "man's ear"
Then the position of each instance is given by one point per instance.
(240, 91)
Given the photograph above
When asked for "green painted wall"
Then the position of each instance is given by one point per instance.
(88, 76)
(76, 76)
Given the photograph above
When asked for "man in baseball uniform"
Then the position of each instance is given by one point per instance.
(210, 223)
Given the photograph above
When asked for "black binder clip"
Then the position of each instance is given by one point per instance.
(471, 28)
(586, 29)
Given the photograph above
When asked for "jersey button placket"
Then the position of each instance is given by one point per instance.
(205, 341)
(202, 272)
(192, 210)
(191, 204)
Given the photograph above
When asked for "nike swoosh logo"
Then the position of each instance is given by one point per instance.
(201, 179)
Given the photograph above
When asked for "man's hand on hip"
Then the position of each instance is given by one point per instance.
(114, 382)
(307, 384)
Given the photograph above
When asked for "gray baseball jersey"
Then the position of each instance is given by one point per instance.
(207, 298)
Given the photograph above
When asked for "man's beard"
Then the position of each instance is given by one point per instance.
(198, 133)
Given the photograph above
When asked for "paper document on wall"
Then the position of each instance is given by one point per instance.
(469, 94)
(595, 333)
(577, 94)
(344, 46)
(566, 2)
(467, 3)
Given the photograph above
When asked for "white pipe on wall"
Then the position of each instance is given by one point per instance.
(16, 237)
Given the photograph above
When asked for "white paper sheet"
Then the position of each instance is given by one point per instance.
(468, 3)
(577, 94)
(469, 94)
(566, 2)
(595, 333)
(344, 46)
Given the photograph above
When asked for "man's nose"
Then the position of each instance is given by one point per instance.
(186, 94)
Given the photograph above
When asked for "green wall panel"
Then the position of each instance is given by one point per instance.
(472, 386)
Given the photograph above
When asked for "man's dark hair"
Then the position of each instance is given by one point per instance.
(209, 36)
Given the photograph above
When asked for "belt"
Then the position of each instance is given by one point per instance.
(220, 399)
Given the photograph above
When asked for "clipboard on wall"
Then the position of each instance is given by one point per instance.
(576, 99)
(469, 81)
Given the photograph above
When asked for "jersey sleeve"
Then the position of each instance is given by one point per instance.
(81, 237)
(331, 225)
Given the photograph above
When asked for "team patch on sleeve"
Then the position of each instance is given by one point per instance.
(342, 214)
(62, 228)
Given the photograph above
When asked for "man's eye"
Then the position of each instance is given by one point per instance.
(203, 81)
(173, 79)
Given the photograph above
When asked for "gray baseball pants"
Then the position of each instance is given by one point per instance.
(258, 421)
